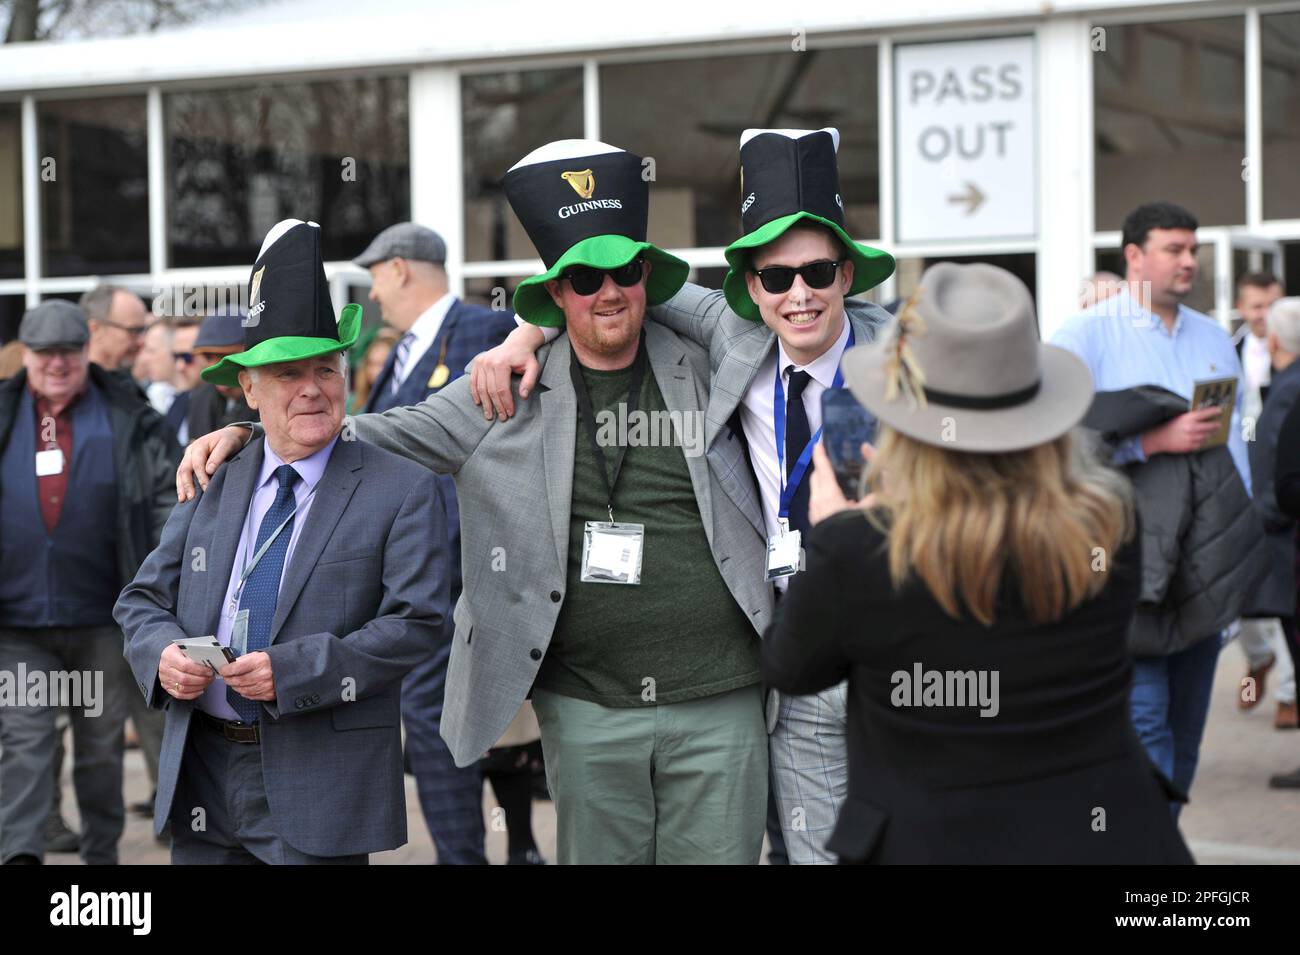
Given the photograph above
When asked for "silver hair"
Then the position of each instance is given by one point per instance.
(1284, 322)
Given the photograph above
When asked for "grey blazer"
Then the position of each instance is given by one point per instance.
(514, 480)
(363, 599)
(737, 347)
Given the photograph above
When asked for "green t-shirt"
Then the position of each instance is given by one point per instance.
(679, 634)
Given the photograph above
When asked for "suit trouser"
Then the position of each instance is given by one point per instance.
(810, 771)
(28, 739)
(220, 814)
(669, 783)
(451, 797)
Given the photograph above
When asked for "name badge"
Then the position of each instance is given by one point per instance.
(783, 555)
(239, 634)
(611, 553)
(49, 462)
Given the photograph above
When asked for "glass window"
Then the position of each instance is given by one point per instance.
(11, 192)
(505, 116)
(94, 186)
(498, 292)
(1280, 42)
(691, 127)
(1171, 119)
(12, 308)
(241, 160)
(1023, 265)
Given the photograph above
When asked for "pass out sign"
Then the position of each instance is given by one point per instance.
(964, 140)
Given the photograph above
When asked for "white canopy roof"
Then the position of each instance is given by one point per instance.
(291, 36)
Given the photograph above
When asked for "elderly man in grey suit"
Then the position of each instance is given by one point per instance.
(782, 307)
(311, 556)
(605, 569)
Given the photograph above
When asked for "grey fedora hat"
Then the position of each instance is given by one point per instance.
(962, 367)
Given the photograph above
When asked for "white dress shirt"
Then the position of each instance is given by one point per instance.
(1257, 369)
(425, 330)
(757, 417)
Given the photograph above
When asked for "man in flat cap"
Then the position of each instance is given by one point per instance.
(309, 571)
(84, 494)
(606, 570)
(440, 334)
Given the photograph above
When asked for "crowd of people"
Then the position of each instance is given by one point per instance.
(1001, 651)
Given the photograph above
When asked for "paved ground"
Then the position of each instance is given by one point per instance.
(1233, 817)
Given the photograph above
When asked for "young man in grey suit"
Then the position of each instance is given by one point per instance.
(311, 556)
(605, 568)
(782, 306)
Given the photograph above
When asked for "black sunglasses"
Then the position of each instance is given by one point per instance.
(586, 281)
(779, 278)
(183, 356)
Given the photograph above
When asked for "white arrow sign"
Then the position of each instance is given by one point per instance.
(964, 140)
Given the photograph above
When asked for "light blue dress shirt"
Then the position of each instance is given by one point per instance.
(310, 470)
(1124, 346)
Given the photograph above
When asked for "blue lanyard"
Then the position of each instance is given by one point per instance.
(805, 457)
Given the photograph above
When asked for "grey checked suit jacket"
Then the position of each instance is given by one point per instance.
(514, 480)
(363, 599)
(737, 347)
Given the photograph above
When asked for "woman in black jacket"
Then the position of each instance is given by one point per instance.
(978, 603)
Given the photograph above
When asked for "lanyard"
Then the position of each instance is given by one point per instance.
(788, 488)
(589, 417)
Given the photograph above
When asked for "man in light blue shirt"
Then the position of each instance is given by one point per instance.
(1145, 335)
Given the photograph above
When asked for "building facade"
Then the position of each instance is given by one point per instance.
(1013, 132)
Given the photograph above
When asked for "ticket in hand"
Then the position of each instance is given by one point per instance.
(206, 651)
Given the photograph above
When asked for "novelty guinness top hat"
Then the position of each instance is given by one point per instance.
(290, 315)
(788, 176)
(585, 203)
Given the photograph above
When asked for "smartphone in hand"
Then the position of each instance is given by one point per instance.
(846, 426)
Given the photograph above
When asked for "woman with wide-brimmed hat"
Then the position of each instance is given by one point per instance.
(978, 601)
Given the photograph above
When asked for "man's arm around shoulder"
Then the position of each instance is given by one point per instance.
(411, 617)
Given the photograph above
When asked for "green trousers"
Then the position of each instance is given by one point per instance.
(670, 784)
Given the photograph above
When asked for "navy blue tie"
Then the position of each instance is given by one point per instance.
(262, 587)
(797, 435)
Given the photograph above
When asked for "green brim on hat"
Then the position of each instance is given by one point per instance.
(287, 348)
(870, 266)
(667, 275)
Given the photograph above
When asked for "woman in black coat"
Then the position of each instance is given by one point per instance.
(978, 603)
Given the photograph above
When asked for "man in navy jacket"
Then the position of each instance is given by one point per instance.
(440, 335)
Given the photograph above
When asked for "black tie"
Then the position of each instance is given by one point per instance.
(797, 436)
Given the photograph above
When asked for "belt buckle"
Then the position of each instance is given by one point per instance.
(238, 732)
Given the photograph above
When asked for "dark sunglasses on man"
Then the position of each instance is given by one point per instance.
(779, 278)
(588, 281)
(184, 357)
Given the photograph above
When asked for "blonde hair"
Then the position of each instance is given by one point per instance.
(959, 521)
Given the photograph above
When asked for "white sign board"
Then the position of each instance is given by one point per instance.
(964, 140)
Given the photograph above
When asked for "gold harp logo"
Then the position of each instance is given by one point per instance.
(583, 183)
(254, 294)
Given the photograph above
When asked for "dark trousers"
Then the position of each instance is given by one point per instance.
(28, 738)
(219, 813)
(451, 797)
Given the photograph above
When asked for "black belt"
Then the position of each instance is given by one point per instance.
(233, 730)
